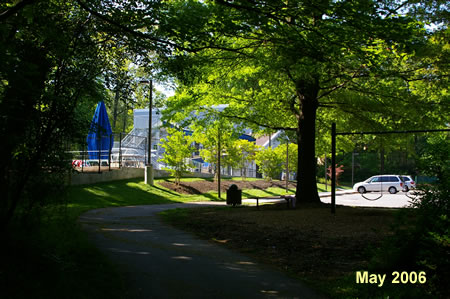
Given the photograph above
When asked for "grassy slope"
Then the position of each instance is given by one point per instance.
(53, 257)
(136, 192)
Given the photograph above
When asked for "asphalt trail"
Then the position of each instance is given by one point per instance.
(160, 261)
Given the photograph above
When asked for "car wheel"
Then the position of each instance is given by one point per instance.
(392, 190)
(406, 189)
(361, 190)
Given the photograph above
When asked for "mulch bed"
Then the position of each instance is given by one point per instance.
(199, 187)
(307, 242)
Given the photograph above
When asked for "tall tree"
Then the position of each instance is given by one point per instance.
(246, 151)
(277, 63)
(177, 151)
(53, 54)
(217, 137)
(50, 63)
(270, 162)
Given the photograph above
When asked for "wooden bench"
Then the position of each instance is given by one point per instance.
(289, 200)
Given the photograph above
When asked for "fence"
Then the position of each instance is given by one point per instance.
(131, 150)
(334, 134)
(125, 151)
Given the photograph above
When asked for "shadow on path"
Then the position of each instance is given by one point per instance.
(160, 261)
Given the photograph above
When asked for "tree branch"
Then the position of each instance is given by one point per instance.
(257, 122)
(126, 29)
(7, 13)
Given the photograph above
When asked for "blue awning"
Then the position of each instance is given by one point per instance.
(199, 160)
(100, 139)
(247, 137)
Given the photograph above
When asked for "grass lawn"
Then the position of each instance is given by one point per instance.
(50, 256)
(135, 192)
(124, 193)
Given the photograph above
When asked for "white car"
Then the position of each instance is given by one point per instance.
(390, 182)
(409, 182)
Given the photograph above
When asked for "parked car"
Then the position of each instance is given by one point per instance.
(409, 182)
(390, 182)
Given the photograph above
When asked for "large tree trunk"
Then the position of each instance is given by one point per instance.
(306, 132)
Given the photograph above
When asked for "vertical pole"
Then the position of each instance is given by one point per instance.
(99, 143)
(109, 155)
(219, 150)
(120, 150)
(326, 177)
(145, 155)
(353, 166)
(333, 168)
(382, 158)
(287, 166)
(83, 159)
(150, 124)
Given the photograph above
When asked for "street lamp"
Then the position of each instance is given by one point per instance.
(149, 168)
(149, 161)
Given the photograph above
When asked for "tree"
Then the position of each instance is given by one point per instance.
(217, 137)
(51, 59)
(277, 64)
(338, 171)
(53, 56)
(178, 150)
(246, 153)
(292, 150)
(270, 163)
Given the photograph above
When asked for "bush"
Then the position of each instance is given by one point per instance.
(421, 239)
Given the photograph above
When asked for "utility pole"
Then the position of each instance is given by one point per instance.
(326, 177)
(150, 124)
(219, 150)
(149, 167)
(287, 165)
(333, 168)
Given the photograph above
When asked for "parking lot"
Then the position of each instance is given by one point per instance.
(398, 200)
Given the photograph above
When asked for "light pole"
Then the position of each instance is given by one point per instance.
(149, 168)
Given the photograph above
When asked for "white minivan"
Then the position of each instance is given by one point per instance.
(389, 182)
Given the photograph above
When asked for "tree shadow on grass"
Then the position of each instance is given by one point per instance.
(166, 190)
(113, 194)
(191, 189)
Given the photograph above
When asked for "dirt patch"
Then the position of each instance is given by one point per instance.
(307, 242)
(199, 187)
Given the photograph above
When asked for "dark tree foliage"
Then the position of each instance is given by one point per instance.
(421, 242)
(51, 59)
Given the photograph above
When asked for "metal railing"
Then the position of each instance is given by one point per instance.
(130, 154)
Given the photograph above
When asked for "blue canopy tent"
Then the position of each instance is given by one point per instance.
(100, 139)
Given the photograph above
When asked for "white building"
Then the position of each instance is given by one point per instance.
(135, 149)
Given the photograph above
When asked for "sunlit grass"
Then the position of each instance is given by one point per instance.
(135, 192)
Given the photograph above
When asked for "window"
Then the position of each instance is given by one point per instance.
(375, 179)
(390, 179)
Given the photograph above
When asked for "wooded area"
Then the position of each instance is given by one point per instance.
(278, 65)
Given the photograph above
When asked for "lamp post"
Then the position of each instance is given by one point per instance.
(148, 167)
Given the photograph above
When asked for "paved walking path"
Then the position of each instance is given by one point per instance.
(160, 261)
